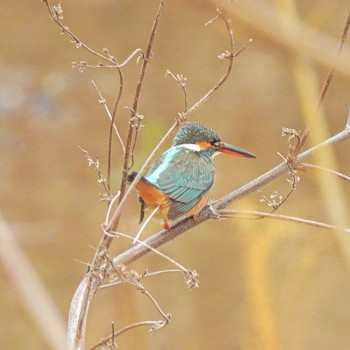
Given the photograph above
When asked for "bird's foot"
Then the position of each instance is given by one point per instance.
(166, 226)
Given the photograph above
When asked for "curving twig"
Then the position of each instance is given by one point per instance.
(105, 341)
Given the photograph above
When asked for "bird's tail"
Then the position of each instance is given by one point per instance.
(130, 179)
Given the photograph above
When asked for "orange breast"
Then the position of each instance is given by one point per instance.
(153, 197)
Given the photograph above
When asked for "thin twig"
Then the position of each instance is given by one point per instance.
(123, 330)
(166, 257)
(75, 39)
(131, 132)
(337, 173)
(181, 80)
(136, 239)
(102, 101)
(101, 177)
(146, 274)
(247, 214)
(325, 87)
(156, 304)
(112, 201)
(83, 65)
(116, 104)
(230, 55)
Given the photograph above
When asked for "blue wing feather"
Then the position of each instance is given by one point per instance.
(184, 176)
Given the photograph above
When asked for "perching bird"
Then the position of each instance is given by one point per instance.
(179, 182)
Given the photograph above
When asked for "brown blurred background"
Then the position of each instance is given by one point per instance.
(263, 284)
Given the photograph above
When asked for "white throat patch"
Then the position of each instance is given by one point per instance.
(190, 146)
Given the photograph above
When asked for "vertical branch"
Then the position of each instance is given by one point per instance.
(132, 123)
(82, 298)
(120, 92)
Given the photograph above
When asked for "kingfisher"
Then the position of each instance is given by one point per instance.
(178, 183)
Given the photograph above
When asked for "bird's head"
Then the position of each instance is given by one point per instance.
(198, 137)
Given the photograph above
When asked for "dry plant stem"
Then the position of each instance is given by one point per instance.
(138, 234)
(166, 257)
(83, 65)
(248, 214)
(181, 81)
(107, 57)
(110, 116)
(132, 130)
(136, 281)
(184, 116)
(211, 210)
(109, 165)
(331, 171)
(146, 274)
(230, 57)
(75, 39)
(123, 330)
(325, 86)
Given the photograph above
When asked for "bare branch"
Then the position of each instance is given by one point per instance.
(104, 341)
(132, 130)
(146, 274)
(166, 257)
(101, 178)
(102, 101)
(78, 43)
(230, 55)
(181, 80)
(331, 171)
(164, 236)
(325, 87)
(114, 114)
(82, 65)
(248, 214)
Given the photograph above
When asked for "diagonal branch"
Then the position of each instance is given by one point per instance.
(210, 211)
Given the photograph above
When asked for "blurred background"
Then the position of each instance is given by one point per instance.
(264, 284)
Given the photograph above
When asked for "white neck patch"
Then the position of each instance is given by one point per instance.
(190, 146)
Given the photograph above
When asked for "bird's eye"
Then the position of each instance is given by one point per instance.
(215, 143)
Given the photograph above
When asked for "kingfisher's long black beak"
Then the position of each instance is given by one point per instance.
(233, 150)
